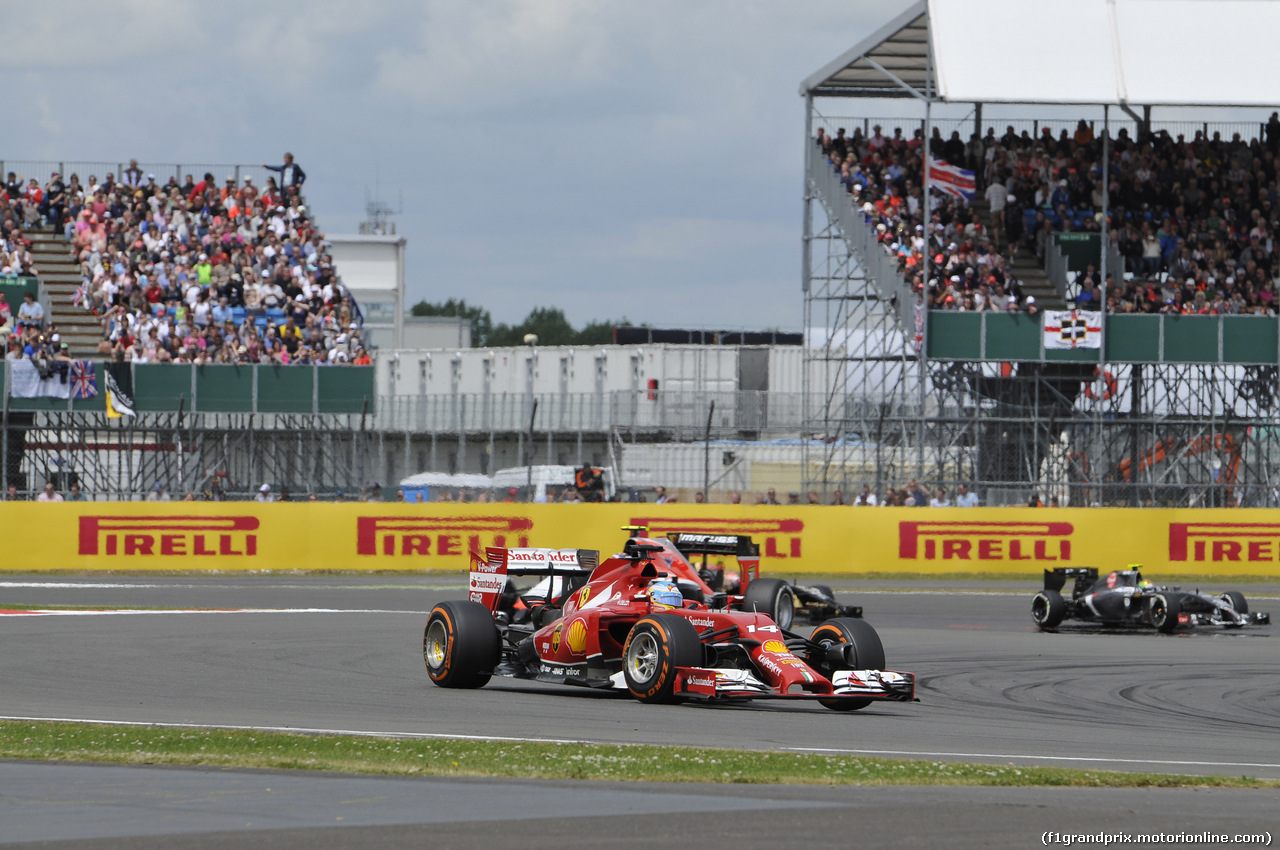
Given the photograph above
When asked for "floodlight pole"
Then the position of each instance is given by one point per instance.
(923, 307)
(1106, 197)
(1106, 223)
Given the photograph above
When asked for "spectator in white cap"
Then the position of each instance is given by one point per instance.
(264, 493)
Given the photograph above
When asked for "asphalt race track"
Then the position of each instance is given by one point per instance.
(343, 653)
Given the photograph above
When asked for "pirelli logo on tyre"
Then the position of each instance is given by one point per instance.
(777, 538)
(984, 541)
(441, 536)
(1218, 542)
(172, 536)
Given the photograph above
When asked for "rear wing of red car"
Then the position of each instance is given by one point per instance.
(488, 577)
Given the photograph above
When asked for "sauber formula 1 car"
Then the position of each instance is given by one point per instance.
(628, 627)
(1123, 598)
(708, 582)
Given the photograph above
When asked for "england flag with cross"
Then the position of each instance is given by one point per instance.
(1072, 329)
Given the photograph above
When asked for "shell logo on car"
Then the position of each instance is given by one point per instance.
(775, 646)
(576, 639)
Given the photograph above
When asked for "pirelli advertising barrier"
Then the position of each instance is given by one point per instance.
(797, 539)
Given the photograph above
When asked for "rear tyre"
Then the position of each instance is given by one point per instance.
(461, 645)
(656, 646)
(771, 596)
(1236, 600)
(868, 652)
(1048, 609)
(1164, 612)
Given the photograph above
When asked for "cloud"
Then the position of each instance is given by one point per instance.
(492, 52)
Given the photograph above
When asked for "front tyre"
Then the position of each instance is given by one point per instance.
(868, 652)
(656, 646)
(771, 596)
(461, 645)
(1048, 609)
(1236, 600)
(1164, 612)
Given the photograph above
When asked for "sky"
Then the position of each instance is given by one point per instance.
(638, 160)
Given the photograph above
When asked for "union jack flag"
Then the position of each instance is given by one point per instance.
(84, 382)
(81, 293)
(947, 178)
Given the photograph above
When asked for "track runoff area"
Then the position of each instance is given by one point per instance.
(341, 654)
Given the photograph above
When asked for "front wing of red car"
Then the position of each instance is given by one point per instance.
(712, 683)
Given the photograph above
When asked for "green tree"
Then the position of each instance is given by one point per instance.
(549, 323)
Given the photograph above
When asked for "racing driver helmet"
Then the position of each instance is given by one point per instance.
(663, 593)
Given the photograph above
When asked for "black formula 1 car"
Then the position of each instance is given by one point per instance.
(1122, 598)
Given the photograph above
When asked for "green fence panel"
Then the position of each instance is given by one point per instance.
(224, 389)
(1250, 339)
(343, 389)
(160, 386)
(1191, 339)
(955, 336)
(1133, 339)
(1013, 336)
(286, 389)
(1080, 249)
(14, 287)
(88, 405)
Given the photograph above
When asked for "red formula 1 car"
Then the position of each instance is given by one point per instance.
(628, 626)
(687, 559)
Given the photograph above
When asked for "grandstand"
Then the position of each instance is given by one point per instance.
(923, 340)
(215, 268)
(206, 308)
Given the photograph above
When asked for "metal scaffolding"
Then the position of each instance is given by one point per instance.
(207, 455)
(1167, 434)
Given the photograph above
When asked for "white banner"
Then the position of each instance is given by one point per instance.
(27, 382)
(1072, 329)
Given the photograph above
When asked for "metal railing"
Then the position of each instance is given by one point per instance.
(1055, 267)
(1248, 130)
(861, 238)
(41, 169)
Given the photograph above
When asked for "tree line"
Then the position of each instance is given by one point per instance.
(549, 323)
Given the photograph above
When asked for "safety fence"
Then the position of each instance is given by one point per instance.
(42, 169)
(794, 539)
(1248, 130)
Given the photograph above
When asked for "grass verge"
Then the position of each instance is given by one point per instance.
(88, 742)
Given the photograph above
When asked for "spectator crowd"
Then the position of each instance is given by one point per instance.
(1195, 221)
(196, 271)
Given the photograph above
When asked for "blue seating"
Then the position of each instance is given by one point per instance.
(238, 314)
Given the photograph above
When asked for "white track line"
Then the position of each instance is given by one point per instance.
(1085, 759)
(115, 612)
